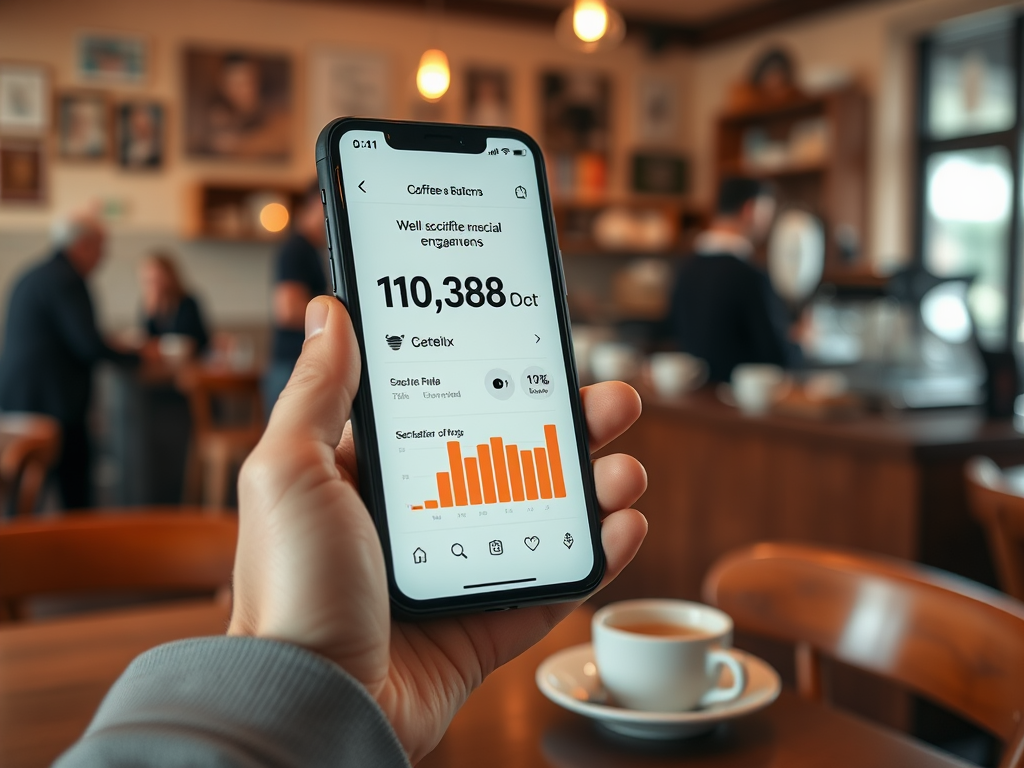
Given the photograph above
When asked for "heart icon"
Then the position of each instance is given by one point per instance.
(532, 542)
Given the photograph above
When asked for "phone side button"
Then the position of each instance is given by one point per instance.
(327, 227)
(334, 280)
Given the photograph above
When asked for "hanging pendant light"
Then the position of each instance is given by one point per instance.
(434, 75)
(589, 26)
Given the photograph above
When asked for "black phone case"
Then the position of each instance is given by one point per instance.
(443, 137)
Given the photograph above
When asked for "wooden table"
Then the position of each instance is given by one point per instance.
(54, 674)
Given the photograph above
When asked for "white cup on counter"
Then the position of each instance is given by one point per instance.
(672, 373)
(756, 387)
(612, 360)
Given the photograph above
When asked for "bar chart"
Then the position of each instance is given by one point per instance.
(500, 472)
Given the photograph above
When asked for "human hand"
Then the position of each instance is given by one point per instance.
(310, 569)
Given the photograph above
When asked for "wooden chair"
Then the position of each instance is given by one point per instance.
(29, 446)
(949, 639)
(1001, 512)
(135, 551)
(227, 421)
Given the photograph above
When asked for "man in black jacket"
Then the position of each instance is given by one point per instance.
(724, 309)
(51, 344)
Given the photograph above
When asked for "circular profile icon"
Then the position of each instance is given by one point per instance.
(395, 342)
(499, 384)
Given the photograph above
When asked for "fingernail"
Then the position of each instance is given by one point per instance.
(316, 317)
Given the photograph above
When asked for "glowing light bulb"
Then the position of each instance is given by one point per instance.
(590, 20)
(274, 217)
(434, 76)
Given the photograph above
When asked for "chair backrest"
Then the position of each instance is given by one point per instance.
(108, 552)
(950, 639)
(220, 398)
(29, 446)
(1000, 510)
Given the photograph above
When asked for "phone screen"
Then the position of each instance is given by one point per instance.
(482, 476)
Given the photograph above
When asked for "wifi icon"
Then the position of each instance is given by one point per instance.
(505, 150)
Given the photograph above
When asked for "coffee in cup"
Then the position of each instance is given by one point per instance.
(665, 655)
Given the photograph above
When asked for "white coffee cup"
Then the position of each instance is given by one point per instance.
(756, 386)
(673, 373)
(611, 360)
(655, 672)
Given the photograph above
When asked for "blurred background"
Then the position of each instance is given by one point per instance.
(794, 226)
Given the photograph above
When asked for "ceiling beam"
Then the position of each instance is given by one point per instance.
(658, 32)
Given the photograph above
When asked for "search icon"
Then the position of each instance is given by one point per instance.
(458, 551)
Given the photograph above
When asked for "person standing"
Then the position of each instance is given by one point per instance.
(724, 309)
(51, 345)
(300, 276)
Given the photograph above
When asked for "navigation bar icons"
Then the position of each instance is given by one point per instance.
(419, 556)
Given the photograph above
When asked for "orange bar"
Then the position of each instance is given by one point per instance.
(486, 473)
(417, 507)
(514, 475)
(458, 474)
(543, 479)
(557, 480)
(473, 480)
(444, 489)
(500, 473)
(430, 504)
(529, 476)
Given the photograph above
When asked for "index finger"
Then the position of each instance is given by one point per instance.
(610, 408)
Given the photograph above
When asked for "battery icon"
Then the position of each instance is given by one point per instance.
(518, 151)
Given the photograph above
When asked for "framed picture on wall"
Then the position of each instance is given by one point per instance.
(22, 171)
(488, 96)
(83, 125)
(576, 107)
(140, 135)
(237, 104)
(347, 82)
(24, 98)
(111, 58)
(657, 110)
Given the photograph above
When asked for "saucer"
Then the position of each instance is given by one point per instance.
(569, 678)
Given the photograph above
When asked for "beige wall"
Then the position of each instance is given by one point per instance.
(872, 41)
(46, 30)
(875, 44)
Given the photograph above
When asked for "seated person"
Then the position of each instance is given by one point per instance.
(166, 307)
(723, 308)
(313, 670)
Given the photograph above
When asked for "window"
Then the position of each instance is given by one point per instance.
(970, 135)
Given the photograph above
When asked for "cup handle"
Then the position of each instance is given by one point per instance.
(717, 659)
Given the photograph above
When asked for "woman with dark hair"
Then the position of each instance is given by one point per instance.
(167, 308)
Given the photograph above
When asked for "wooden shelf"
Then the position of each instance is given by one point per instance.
(225, 211)
(833, 188)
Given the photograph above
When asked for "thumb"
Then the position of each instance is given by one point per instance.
(317, 400)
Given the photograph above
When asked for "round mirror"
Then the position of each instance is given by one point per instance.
(796, 255)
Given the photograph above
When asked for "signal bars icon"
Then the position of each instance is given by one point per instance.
(493, 151)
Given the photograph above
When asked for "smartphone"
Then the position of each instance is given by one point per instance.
(468, 427)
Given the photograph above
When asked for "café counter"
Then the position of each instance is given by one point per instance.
(885, 483)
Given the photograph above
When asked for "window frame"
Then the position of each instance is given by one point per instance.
(1011, 139)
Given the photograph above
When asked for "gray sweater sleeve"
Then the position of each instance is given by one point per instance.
(236, 702)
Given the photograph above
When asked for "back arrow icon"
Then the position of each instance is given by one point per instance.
(361, 186)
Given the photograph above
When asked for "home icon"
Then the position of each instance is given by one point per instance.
(419, 556)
